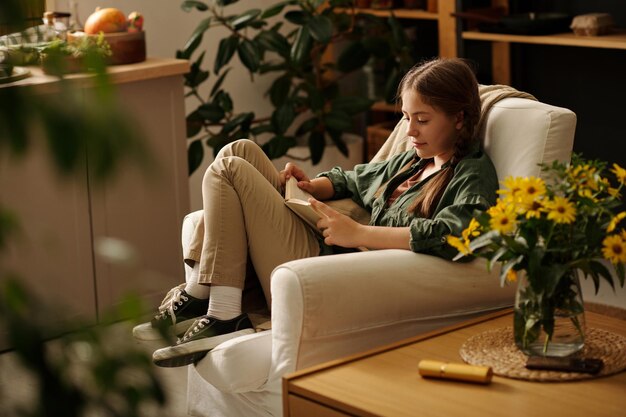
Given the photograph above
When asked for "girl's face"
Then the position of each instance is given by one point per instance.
(433, 133)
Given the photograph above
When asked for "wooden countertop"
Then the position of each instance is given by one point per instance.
(149, 69)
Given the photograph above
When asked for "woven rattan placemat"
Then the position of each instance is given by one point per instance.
(497, 349)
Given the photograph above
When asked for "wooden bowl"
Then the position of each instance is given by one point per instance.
(126, 47)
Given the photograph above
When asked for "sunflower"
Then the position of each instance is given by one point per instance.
(615, 220)
(614, 249)
(472, 230)
(462, 245)
(620, 173)
(561, 210)
(511, 275)
(531, 188)
(533, 209)
(504, 221)
(512, 185)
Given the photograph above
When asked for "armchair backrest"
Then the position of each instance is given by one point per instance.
(518, 135)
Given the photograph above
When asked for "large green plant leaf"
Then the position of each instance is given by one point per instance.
(189, 5)
(244, 19)
(195, 39)
(351, 104)
(283, 117)
(194, 123)
(297, 17)
(225, 52)
(279, 91)
(321, 28)
(249, 55)
(355, 56)
(211, 112)
(278, 146)
(195, 154)
(273, 41)
(338, 120)
(317, 142)
(218, 83)
(242, 121)
(301, 48)
(337, 138)
(225, 2)
(276, 9)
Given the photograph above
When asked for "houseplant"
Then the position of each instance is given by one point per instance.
(545, 234)
(307, 81)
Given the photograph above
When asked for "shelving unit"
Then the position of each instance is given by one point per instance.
(501, 55)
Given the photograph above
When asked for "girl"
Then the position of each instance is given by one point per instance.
(415, 198)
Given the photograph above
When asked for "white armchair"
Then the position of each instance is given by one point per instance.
(327, 307)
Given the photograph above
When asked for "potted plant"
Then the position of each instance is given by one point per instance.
(546, 233)
(305, 95)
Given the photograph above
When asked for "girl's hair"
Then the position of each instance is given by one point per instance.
(448, 85)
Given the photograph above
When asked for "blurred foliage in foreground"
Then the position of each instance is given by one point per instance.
(84, 371)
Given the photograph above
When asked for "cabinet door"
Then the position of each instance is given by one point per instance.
(146, 208)
(52, 254)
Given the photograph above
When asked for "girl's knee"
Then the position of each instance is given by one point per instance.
(240, 147)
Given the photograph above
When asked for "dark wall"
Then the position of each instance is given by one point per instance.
(589, 81)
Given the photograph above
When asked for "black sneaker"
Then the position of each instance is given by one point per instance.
(177, 312)
(206, 333)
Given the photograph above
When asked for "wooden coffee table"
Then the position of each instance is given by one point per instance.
(386, 382)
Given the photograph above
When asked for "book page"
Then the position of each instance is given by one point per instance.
(298, 201)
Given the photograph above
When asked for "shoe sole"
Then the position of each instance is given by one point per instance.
(193, 351)
(146, 332)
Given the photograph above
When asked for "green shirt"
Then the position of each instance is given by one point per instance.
(473, 187)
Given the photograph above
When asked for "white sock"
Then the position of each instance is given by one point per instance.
(192, 287)
(225, 302)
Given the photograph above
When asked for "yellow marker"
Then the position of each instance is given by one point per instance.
(456, 371)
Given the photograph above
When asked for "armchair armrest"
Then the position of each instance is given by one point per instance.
(332, 306)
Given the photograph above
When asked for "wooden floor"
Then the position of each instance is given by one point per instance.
(17, 386)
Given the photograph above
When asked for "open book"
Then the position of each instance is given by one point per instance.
(298, 201)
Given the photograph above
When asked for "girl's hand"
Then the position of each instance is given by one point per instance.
(337, 229)
(292, 170)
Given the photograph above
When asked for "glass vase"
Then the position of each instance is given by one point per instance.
(549, 324)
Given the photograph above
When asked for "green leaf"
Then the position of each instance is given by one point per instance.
(278, 146)
(242, 121)
(195, 39)
(225, 52)
(355, 56)
(189, 5)
(301, 48)
(273, 41)
(218, 83)
(352, 104)
(279, 91)
(226, 2)
(599, 268)
(245, 18)
(211, 112)
(249, 55)
(297, 17)
(195, 154)
(317, 142)
(338, 120)
(283, 117)
(307, 126)
(223, 100)
(263, 128)
(194, 123)
(321, 28)
(276, 9)
(337, 138)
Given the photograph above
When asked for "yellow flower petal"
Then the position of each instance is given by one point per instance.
(561, 210)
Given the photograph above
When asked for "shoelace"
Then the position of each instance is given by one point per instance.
(195, 328)
(169, 306)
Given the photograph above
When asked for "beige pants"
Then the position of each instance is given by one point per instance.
(245, 215)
